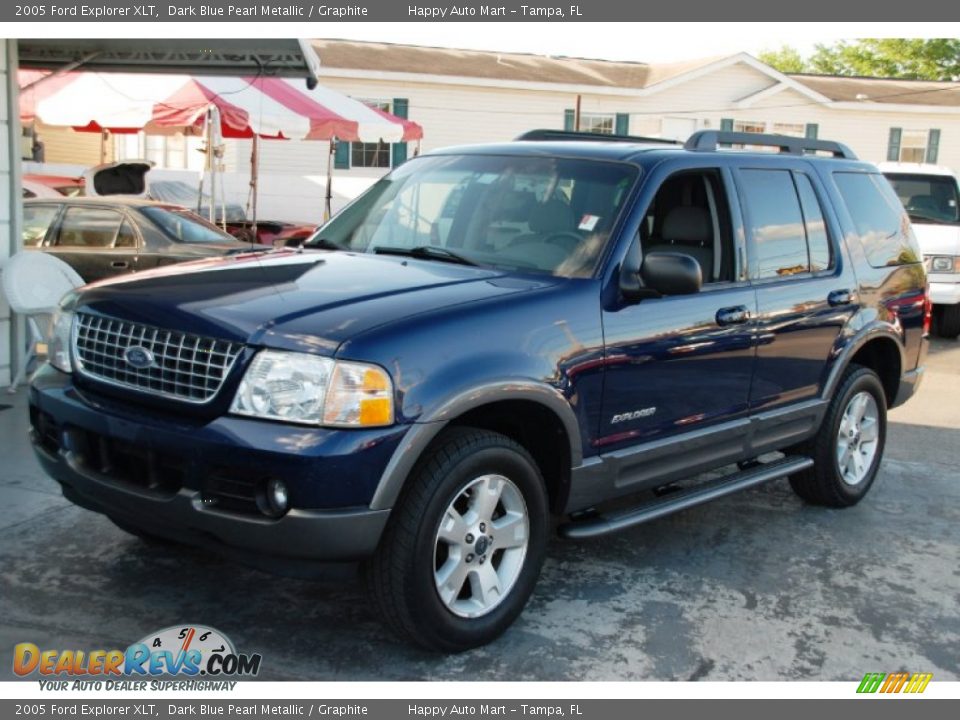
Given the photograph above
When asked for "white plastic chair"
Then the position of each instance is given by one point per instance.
(33, 283)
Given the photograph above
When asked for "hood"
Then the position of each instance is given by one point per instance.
(937, 239)
(307, 301)
(118, 178)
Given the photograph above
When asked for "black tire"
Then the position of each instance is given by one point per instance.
(400, 575)
(824, 484)
(947, 321)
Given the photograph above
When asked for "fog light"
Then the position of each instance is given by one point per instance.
(275, 498)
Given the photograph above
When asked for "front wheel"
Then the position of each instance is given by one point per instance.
(848, 447)
(465, 544)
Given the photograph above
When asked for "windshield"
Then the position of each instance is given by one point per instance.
(184, 226)
(546, 215)
(927, 198)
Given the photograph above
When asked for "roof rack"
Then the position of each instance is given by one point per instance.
(710, 140)
(572, 135)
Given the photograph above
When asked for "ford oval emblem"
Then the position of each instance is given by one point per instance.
(138, 357)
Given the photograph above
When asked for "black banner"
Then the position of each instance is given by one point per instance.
(878, 709)
(300, 11)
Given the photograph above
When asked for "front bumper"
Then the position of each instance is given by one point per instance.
(198, 483)
(945, 293)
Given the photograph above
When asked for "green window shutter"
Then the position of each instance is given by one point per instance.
(933, 146)
(341, 155)
(812, 131)
(568, 119)
(623, 124)
(398, 156)
(893, 145)
(726, 124)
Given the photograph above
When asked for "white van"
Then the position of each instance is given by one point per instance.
(931, 195)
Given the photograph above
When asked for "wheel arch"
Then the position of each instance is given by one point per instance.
(529, 412)
(878, 347)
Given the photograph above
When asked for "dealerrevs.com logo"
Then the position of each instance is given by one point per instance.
(181, 651)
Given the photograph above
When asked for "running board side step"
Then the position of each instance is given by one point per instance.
(603, 524)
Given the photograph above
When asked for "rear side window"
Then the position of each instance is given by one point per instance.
(879, 218)
(818, 241)
(89, 228)
(36, 222)
(778, 241)
(126, 238)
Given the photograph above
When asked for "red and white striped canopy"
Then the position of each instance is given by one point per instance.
(164, 104)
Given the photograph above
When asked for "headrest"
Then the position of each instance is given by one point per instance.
(688, 224)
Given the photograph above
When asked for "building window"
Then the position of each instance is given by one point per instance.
(600, 123)
(375, 154)
(370, 155)
(166, 151)
(749, 126)
(791, 129)
(913, 146)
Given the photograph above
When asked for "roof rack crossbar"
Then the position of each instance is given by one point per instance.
(710, 140)
(573, 135)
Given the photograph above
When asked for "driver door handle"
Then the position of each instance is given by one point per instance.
(120, 264)
(840, 297)
(735, 315)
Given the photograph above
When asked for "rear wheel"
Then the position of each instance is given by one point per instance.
(947, 319)
(848, 447)
(465, 543)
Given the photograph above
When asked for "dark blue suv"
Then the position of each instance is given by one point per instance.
(489, 339)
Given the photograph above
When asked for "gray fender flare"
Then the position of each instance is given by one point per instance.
(422, 432)
(870, 332)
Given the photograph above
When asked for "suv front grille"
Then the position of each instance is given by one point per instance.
(183, 366)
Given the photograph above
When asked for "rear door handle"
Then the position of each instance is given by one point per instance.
(733, 315)
(840, 297)
(120, 264)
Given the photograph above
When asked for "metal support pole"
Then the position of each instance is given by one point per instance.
(254, 180)
(328, 206)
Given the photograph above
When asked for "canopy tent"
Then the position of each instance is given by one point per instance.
(253, 107)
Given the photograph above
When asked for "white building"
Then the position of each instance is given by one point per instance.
(466, 96)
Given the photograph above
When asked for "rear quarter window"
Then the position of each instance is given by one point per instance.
(878, 216)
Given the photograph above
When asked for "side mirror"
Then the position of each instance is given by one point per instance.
(671, 273)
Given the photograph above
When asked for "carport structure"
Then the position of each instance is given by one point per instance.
(267, 58)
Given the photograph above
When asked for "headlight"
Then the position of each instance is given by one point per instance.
(302, 388)
(943, 263)
(58, 347)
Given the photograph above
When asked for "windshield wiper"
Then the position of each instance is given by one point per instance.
(425, 252)
(914, 215)
(323, 244)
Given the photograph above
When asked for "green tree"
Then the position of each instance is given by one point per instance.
(786, 60)
(908, 58)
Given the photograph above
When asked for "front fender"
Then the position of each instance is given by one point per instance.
(432, 422)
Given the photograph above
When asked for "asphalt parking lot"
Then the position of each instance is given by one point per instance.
(757, 586)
